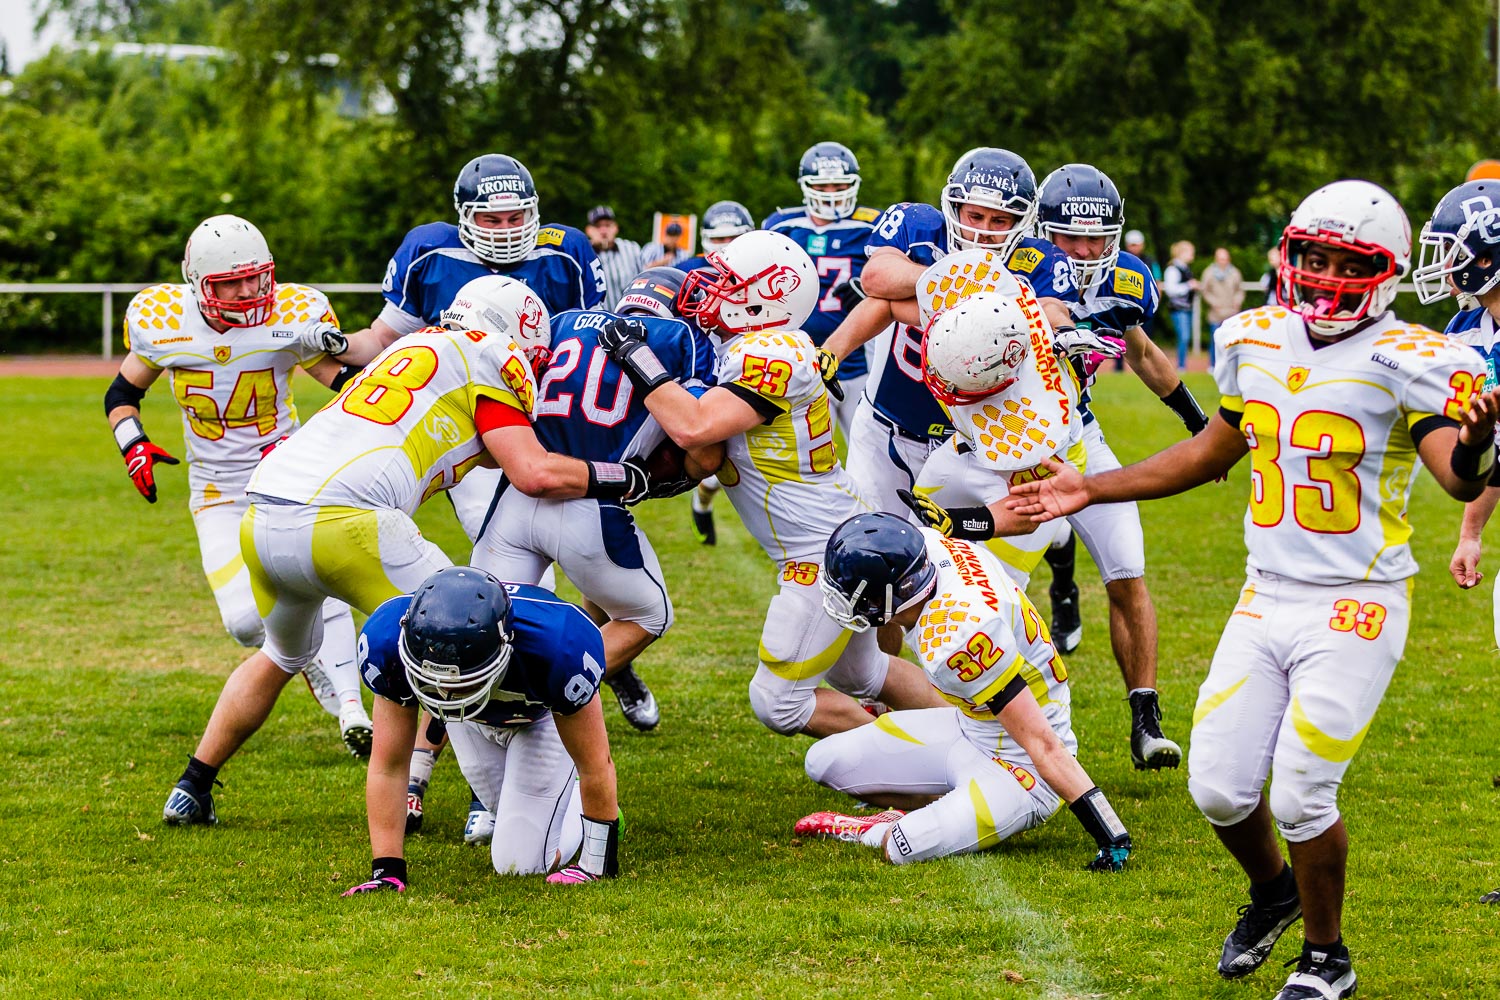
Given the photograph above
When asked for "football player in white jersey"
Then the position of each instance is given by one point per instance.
(1002, 758)
(1339, 404)
(230, 338)
(782, 474)
(330, 510)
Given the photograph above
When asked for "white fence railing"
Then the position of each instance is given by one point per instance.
(108, 291)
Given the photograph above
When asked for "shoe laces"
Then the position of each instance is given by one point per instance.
(626, 683)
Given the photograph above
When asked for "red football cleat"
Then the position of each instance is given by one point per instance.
(840, 826)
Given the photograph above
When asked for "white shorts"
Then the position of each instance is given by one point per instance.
(800, 647)
(1293, 687)
(523, 775)
(472, 497)
(598, 545)
(881, 461)
(1112, 531)
(985, 798)
(298, 556)
(957, 479)
(218, 504)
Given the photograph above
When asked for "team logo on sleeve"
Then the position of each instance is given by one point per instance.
(221, 354)
(1130, 283)
(1296, 378)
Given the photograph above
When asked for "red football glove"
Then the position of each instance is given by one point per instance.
(139, 460)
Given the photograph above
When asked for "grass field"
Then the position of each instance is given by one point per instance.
(111, 656)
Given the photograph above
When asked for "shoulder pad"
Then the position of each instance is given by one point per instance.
(1411, 342)
(155, 315)
(865, 214)
(301, 304)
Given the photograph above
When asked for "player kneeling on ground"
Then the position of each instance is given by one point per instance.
(997, 764)
(514, 672)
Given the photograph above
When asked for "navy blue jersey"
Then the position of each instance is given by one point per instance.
(838, 251)
(432, 264)
(692, 263)
(586, 407)
(919, 232)
(1478, 329)
(1122, 298)
(556, 666)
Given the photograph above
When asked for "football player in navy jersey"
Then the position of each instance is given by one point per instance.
(988, 203)
(1080, 211)
(514, 672)
(586, 406)
(834, 229)
(499, 231)
(1460, 257)
(722, 223)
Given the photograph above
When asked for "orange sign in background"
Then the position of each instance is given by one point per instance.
(1484, 170)
(689, 223)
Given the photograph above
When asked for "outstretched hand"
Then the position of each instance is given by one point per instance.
(1477, 421)
(1060, 494)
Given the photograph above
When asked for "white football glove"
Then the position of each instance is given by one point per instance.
(324, 336)
(1073, 342)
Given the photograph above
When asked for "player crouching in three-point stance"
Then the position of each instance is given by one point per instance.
(229, 340)
(781, 472)
(999, 763)
(1338, 404)
(330, 510)
(514, 672)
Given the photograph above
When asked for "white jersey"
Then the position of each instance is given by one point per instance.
(1332, 456)
(403, 429)
(234, 387)
(783, 475)
(980, 632)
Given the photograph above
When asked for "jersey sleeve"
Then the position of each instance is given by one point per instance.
(1046, 268)
(1227, 363)
(302, 305)
(970, 653)
(152, 319)
(502, 374)
(914, 228)
(552, 631)
(589, 289)
(402, 286)
(379, 654)
(1132, 283)
(1445, 374)
(770, 370)
(688, 357)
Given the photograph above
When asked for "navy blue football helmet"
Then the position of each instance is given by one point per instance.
(1077, 199)
(456, 641)
(497, 183)
(653, 292)
(1461, 241)
(875, 566)
(723, 221)
(829, 163)
(990, 178)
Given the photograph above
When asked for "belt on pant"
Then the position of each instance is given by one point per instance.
(900, 431)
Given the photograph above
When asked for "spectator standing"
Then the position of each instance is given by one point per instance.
(619, 257)
(670, 251)
(1223, 291)
(1179, 286)
(1273, 264)
(1135, 242)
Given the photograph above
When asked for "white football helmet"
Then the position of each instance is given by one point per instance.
(1345, 215)
(976, 349)
(760, 281)
(505, 307)
(227, 248)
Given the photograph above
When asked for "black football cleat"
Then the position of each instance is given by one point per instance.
(1255, 934)
(1323, 973)
(637, 703)
(703, 526)
(1149, 749)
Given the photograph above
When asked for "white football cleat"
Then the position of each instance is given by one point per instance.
(356, 729)
(322, 688)
(480, 828)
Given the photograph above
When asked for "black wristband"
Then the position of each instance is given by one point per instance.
(608, 481)
(388, 868)
(345, 373)
(641, 365)
(1098, 818)
(1473, 462)
(974, 524)
(1182, 403)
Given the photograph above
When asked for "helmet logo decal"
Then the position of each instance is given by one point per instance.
(778, 284)
(529, 319)
(1014, 354)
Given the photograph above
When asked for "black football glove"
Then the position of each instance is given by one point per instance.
(850, 294)
(625, 341)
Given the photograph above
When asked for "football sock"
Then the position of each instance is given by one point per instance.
(1063, 559)
(422, 762)
(875, 835)
(1277, 890)
(200, 775)
(701, 504)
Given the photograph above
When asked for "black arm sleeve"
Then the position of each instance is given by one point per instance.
(1427, 425)
(1007, 694)
(1231, 417)
(343, 377)
(768, 410)
(122, 392)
